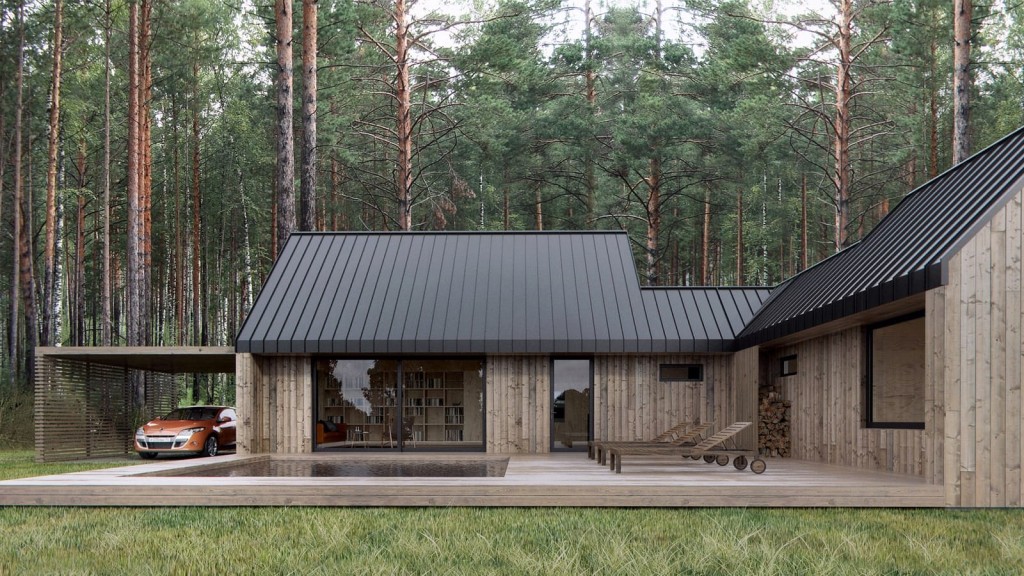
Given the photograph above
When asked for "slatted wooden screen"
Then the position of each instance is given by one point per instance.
(84, 410)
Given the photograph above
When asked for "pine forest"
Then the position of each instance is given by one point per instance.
(155, 155)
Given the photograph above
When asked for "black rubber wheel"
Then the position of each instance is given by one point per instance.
(758, 466)
(722, 460)
(147, 455)
(740, 462)
(709, 458)
(695, 457)
(210, 447)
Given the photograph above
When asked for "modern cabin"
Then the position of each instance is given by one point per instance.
(504, 342)
(901, 353)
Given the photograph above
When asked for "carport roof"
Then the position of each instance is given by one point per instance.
(170, 359)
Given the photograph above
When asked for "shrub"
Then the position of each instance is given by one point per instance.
(16, 419)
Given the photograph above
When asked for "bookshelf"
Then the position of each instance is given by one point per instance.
(435, 406)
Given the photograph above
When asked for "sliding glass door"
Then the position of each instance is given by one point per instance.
(400, 404)
(570, 404)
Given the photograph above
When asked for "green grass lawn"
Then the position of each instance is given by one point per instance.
(335, 542)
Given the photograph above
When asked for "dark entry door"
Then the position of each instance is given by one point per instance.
(570, 404)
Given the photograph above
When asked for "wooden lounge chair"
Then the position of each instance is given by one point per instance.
(719, 447)
(690, 437)
(595, 447)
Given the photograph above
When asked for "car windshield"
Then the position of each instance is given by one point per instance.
(192, 414)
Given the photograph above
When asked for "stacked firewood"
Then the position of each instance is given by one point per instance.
(773, 429)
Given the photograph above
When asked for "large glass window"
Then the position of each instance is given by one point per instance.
(441, 403)
(896, 358)
(570, 404)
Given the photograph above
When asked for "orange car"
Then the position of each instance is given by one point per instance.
(197, 429)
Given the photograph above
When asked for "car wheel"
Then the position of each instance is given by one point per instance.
(210, 448)
(147, 455)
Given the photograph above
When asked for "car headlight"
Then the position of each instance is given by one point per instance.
(140, 433)
(187, 433)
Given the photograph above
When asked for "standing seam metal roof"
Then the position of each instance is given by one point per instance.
(907, 252)
(481, 293)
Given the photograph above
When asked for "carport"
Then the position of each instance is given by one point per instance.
(83, 395)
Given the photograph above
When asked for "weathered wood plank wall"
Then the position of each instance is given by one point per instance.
(518, 404)
(275, 404)
(742, 401)
(827, 415)
(977, 349)
(630, 403)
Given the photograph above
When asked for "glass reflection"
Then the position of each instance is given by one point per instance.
(442, 404)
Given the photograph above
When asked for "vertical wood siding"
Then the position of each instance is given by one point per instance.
(518, 404)
(742, 404)
(977, 349)
(827, 415)
(275, 404)
(630, 403)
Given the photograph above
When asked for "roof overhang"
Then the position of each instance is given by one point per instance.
(170, 359)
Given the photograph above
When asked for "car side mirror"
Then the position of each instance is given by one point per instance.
(223, 419)
(158, 418)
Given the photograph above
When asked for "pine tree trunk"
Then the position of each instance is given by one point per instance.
(78, 337)
(961, 80)
(739, 238)
(285, 135)
(591, 81)
(49, 249)
(247, 288)
(307, 188)
(803, 223)
(16, 234)
(841, 180)
(653, 220)
(133, 275)
(933, 117)
(105, 296)
(403, 125)
(705, 243)
(146, 173)
(538, 208)
(197, 204)
(179, 236)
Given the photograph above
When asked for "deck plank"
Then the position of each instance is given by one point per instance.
(531, 480)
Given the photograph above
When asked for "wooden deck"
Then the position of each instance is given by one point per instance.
(564, 479)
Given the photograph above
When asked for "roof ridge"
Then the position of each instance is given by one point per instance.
(456, 232)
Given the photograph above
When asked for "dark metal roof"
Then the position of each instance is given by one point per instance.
(479, 293)
(700, 319)
(908, 251)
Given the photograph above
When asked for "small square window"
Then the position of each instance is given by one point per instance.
(788, 366)
(681, 373)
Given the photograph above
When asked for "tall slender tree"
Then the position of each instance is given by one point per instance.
(285, 132)
(962, 10)
(307, 188)
(51, 302)
(106, 326)
(16, 235)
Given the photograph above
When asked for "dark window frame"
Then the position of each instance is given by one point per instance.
(782, 366)
(400, 399)
(552, 444)
(869, 376)
(688, 367)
